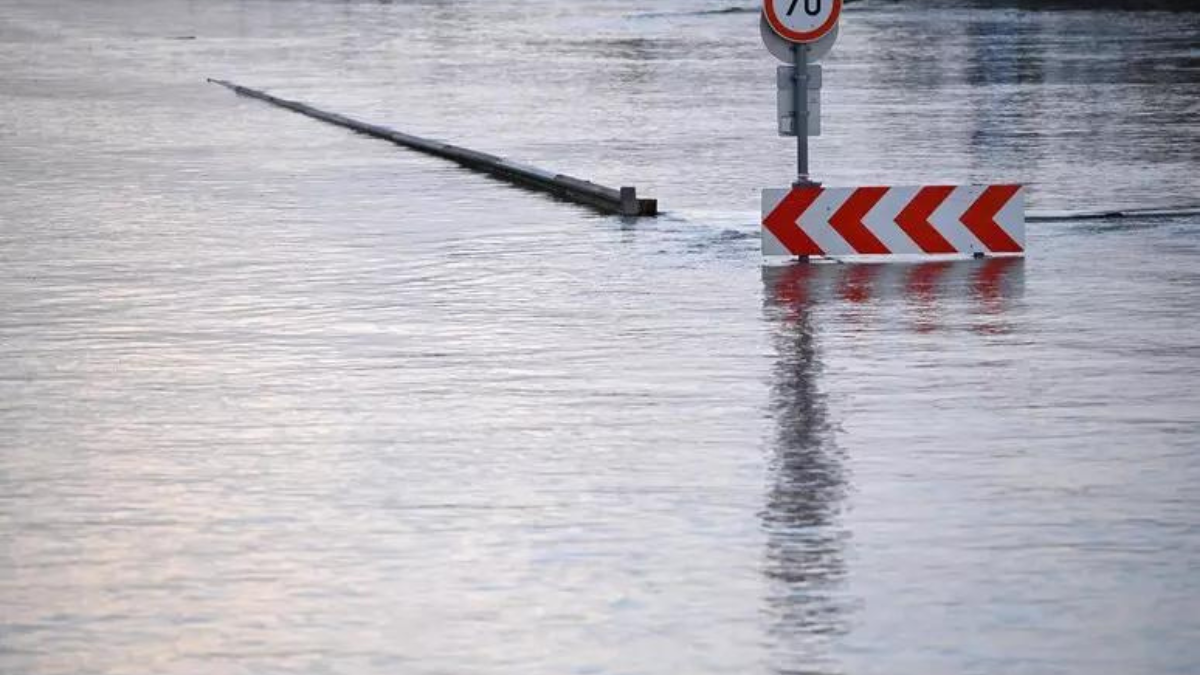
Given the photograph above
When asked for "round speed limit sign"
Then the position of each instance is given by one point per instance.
(802, 20)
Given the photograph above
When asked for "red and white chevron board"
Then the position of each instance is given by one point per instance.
(928, 220)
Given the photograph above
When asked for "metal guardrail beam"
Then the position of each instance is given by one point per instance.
(624, 202)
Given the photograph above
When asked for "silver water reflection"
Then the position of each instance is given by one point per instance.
(807, 603)
(805, 555)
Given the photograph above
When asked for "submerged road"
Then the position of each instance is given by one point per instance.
(276, 398)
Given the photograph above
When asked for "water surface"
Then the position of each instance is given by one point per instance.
(279, 398)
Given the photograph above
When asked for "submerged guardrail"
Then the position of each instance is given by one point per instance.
(624, 201)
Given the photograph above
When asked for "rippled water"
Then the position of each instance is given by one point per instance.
(278, 398)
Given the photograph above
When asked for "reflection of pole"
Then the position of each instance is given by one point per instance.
(805, 554)
(800, 54)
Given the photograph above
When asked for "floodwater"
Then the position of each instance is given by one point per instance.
(277, 398)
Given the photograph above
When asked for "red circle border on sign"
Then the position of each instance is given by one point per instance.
(796, 36)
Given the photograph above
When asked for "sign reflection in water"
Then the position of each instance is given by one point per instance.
(807, 604)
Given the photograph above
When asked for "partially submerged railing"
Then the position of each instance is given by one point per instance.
(623, 202)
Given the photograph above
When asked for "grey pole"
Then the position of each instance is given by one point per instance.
(800, 54)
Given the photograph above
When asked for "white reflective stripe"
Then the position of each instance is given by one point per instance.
(771, 199)
(947, 219)
(770, 244)
(1011, 218)
(881, 220)
(815, 221)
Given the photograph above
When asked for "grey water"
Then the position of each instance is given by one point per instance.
(277, 398)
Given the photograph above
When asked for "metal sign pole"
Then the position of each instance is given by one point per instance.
(806, 219)
(800, 56)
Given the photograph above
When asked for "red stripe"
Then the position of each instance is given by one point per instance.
(857, 282)
(923, 279)
(847, 221)
(792, 290)
(922, 290)
(989, 279)
(980, 219)
(784, 221)
(914, 219)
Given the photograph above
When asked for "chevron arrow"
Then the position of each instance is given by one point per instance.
(784, 221)
(848, 221)
(914, 219)
(980, 219)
